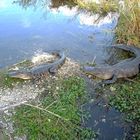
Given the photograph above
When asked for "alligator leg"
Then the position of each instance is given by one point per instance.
(125, 48)
(104, 82)
(114, 79)
(52, 71)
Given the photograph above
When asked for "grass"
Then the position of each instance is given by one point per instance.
(127, 101)
(7, 81)
(38, 124)
(127, 95)
(128, 28)
(63, 98)
(103, 8)
(54, 3)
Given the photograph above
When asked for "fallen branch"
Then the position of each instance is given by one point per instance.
(50, 105)
(52, 113)
(37, 107)
(12, 106)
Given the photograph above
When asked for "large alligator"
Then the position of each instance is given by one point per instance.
(38, 71)
(126, 68)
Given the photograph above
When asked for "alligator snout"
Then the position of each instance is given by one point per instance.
(19, 74)
(87, 68)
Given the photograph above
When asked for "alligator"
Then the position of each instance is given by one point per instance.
(124, 69)
(40, 70)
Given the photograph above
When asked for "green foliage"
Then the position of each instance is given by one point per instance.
(127, 100)
(7, 81)
(63, 98)
(103, 8)
(24, 63)
(128, 29)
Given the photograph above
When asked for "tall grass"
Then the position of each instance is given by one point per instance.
(102, 8)
(128, 28)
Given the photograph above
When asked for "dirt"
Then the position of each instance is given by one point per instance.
(29, 90)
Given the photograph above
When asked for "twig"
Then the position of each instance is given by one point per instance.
(50, 104)
(25, 103)
(57, 121)
(12, 106)
(93, 61)
(52, 113)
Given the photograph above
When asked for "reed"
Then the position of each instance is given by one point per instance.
(128, 28)
(103, 8)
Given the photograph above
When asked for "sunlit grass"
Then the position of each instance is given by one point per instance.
(58, 116)
(102, 8)
(126, 100)
(128, 29)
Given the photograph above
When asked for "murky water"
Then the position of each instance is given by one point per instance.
(105, 120)
(26, 28)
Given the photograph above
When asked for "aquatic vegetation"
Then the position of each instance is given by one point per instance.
(54, 3)
(57, 3)
(128, 28)
(26, 3)
(126, 100)
(102, 8)
(59, 114)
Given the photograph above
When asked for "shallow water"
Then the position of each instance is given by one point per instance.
(29, 28)
(105, 120)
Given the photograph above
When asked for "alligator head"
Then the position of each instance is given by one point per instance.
(20, 74)
(100, 72)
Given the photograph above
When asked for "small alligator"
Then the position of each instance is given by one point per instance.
(126, 68)
(38, 71)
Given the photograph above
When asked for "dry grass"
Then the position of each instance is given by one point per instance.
(128, 29)
(102, 8)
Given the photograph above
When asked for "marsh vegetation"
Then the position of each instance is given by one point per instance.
(126, 100)
(128, 27)
(59, 114)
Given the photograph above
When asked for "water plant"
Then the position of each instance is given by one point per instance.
(58, 116)
(126, 100)
(102, 8)
(128, 28)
